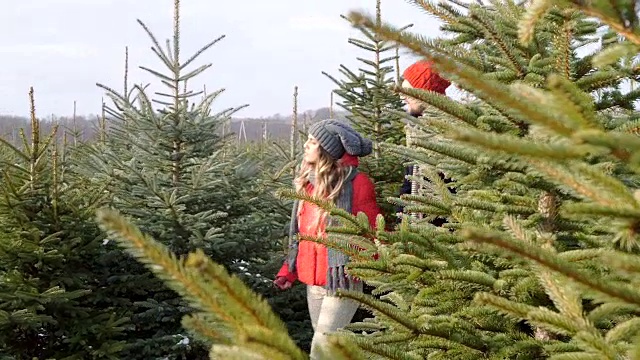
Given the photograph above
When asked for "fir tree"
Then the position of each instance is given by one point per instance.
(165, 167)
(55, 297)
(367, 94)
(375, 110)
(509, 152)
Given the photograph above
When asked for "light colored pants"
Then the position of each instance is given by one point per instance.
(328, 314)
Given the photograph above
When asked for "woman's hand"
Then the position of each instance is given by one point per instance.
(282, 283)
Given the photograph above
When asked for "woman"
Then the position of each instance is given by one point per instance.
(329, 171)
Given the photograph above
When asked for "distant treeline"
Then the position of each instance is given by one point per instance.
(81, 128)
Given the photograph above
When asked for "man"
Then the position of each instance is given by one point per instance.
(421, 75)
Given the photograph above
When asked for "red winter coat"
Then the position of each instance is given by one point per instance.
(311, 264)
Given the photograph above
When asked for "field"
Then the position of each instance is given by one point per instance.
(154, 229)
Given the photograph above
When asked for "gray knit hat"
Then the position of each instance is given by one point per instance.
(337, 138)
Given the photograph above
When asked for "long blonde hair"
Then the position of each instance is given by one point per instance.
(329, 177)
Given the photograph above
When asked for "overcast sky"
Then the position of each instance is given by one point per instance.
(63, 47)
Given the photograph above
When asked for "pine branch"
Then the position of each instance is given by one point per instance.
(508, 99)
(512, 145)
(480, 17)
(358, 223)
(535, 11)
(625, 25)
(559, 173)
(545, 258)
(441, 11)
(341, 348)
(443, 103)
(242, 316)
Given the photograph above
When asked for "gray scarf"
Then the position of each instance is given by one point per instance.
(337, 260)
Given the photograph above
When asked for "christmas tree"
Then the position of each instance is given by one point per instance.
(55, 295)
(522, 177)
(164, 163)
(543, 259)
(375, 110)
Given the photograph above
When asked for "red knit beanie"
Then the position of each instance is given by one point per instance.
(421, 75)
